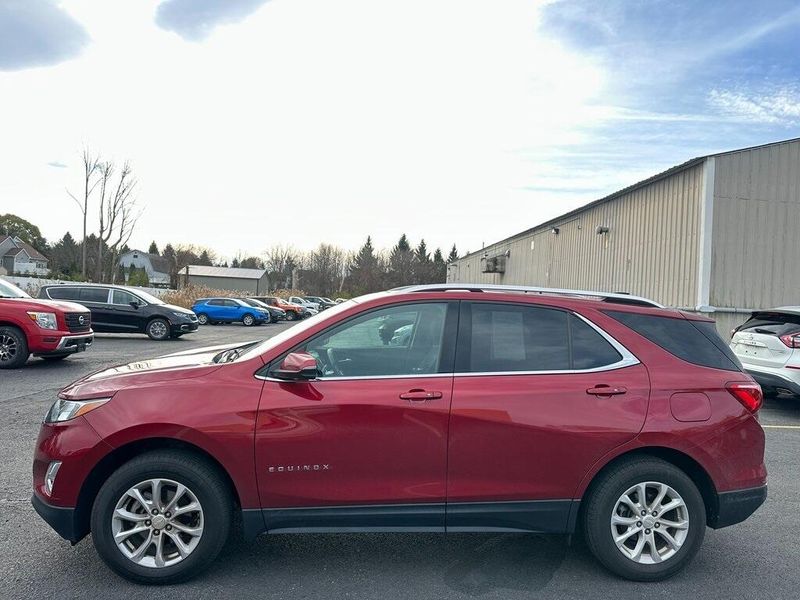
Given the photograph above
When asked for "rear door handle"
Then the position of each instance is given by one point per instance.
(420, 395)
(606, 390)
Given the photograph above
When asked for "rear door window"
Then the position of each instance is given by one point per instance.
(92, 294)
(696, 342)
(495, 338)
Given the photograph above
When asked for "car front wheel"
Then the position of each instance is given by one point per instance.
(162, 517)
(13, 348)
(158, 329)
(645, 519)
(290, 315)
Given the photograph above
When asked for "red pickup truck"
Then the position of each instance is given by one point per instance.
(45, 328)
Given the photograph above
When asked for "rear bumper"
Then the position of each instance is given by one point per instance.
(775, 379)
(736, 506)
(61, 519)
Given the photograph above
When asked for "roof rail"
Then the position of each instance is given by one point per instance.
(615, 297)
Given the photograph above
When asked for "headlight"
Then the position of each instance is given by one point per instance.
(43, 319)
(181, 315)
(64, 410)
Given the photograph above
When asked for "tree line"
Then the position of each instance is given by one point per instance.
(328, 270)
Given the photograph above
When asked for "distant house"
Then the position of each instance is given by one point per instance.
(254, 281)
(157, 267)
(22, 258)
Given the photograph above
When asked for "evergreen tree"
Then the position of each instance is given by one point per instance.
(438, 268)
(422, 263)
(235, 263)
(153, 248)
(205, 259)
(65, 257)
(453, 254)
(366, 273)
(401, 263)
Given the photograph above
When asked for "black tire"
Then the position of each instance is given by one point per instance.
(290, 315)
(55, 357)
(158, 330)
(248, 320)
(601, 505)
(195, 473)
(202, 319)
(13, 348)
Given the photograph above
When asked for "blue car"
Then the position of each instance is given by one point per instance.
(228, 310)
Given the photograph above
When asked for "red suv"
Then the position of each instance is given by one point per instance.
(51, 330)
(482, 409)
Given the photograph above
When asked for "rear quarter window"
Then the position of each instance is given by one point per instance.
(696, 342)
(63, 293)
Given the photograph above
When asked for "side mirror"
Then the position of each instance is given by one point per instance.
(297, 366)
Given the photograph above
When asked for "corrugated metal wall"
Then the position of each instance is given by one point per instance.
(756, 228)
(651, 248)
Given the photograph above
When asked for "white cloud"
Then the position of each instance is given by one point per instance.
(779, 106)
(309, 121)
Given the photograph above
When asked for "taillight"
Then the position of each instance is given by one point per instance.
(792, 340)
(748, 394)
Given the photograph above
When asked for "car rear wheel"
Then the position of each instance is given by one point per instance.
(162, 517)
(645, 519)
(13, 348)
(248, 320)
(202, 318)
(158, 329)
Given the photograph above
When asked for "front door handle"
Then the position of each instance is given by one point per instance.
(420, 395)
(606, 390)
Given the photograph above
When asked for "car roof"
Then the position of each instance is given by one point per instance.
(792, 310)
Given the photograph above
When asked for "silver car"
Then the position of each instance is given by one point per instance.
(768, 346)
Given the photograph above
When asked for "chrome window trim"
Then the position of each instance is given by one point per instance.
(628, 360)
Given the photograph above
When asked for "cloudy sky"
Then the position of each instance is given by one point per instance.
(255, 122)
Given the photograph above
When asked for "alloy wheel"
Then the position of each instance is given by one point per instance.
(157, 523)
(158, 329)
(650, 522)
(8, 348)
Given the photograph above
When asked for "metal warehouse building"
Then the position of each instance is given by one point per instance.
(254, 281)
(717, 234)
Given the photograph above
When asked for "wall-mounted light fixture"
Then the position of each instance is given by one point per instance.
(601, 229)
(555, 231)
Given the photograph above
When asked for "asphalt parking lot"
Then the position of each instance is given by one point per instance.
(756, 559)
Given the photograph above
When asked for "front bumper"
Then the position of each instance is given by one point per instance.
(61, 519)
(736, 506)
(184, 327)
(67, 344)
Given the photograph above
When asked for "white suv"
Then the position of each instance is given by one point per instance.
(304, 303)
(768, 346)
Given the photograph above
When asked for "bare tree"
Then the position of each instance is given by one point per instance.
(116, 210)
(127, 218)
(90, 166)
(280, 261)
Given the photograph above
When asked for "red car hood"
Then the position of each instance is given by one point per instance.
(41, 305)
(181, 365)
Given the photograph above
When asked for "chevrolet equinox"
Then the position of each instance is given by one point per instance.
(431, 408)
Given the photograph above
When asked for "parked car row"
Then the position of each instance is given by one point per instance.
(64, 318)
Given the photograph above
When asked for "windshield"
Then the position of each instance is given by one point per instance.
(305, 325)
(11, 291)
(149, 298)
